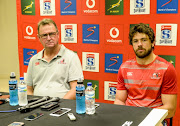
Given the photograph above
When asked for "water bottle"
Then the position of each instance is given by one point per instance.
(22, 92)
(80, 97)
(13, 90)
(90, 99)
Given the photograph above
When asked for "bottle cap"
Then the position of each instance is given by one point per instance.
(12, 75)
(80, 81)
(21, 78)
(89, 84)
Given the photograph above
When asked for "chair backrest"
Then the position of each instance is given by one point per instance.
(171, 121)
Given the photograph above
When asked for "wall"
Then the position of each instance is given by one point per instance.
(9, 42)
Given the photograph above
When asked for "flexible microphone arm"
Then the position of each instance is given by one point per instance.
(54, 99)
(24, 108)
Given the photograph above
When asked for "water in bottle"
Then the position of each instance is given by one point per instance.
(90, 99)
(80, 97)
(13, 90)
(22, 92)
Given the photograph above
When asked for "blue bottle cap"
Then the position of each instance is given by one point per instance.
(89, 84)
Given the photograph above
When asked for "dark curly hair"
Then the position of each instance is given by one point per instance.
(142, 28)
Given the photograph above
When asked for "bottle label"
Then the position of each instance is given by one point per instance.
(22, 89)
(80, 93)
(90, 96)
(12, 86)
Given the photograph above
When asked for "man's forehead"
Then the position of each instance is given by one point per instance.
(140, 36)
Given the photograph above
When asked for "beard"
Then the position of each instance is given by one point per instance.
(143, 54)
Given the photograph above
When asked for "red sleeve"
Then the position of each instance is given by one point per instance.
(169, 85)
(120, 85)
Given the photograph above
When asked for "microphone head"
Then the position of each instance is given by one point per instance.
(55, 99)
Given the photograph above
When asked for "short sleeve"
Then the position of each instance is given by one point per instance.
(169, 85)
(121, 84)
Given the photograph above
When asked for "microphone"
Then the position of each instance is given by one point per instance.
(24, 108)
(54, 99)
(29, 107)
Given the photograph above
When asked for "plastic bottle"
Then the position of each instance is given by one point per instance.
(90, 99)
(22, 92)
(13, 90)
(80, 97)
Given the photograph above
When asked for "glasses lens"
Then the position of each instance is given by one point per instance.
(51, 34)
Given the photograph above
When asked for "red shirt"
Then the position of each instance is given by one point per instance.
(146, 83)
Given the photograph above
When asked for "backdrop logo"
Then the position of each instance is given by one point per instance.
(47, 7)
(69, 33)
(90, 61)
(110, 90)
(167, 6)
(29, 32)
(114, 7)
(90, 7)
(166, 34)
(112, 62)
(95, 85)
(28, 54)
(28, 7)
(91, 33)
(171, 59)
(68, 7)
(139, 3)
(114, 34)
(139, 6)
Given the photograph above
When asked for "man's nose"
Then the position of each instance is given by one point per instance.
(48, 37)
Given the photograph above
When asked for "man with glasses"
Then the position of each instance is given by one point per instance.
(54, 71)
(147, 80)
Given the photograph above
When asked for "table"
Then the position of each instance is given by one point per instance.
(106, 115)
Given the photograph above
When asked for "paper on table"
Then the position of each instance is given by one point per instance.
(154, 118)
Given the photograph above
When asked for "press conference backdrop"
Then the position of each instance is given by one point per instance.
(98, 31)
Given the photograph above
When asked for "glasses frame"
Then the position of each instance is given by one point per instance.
(51, 35)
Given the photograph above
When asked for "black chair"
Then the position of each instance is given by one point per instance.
(171, 121)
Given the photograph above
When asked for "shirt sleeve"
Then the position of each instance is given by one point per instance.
(29, 80)
(75, 69)
(121, 84)
(169, 85)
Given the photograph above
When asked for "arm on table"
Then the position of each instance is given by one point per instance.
(30, 90)
(169, 103)
(72, 93)
(121, 96)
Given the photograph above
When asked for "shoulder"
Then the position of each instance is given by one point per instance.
(128, 63)
(68, 51)
(163, 63)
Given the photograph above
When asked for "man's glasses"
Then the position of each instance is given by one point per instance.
(51, 34)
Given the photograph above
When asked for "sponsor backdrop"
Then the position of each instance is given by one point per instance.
(98, 31)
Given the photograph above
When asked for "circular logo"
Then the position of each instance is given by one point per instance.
(29, 30)
(111, 34)
(90, 6)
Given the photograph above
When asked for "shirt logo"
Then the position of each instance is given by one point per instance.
(37, 63)
(62, 61)
(156, 76)
(129, 73)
